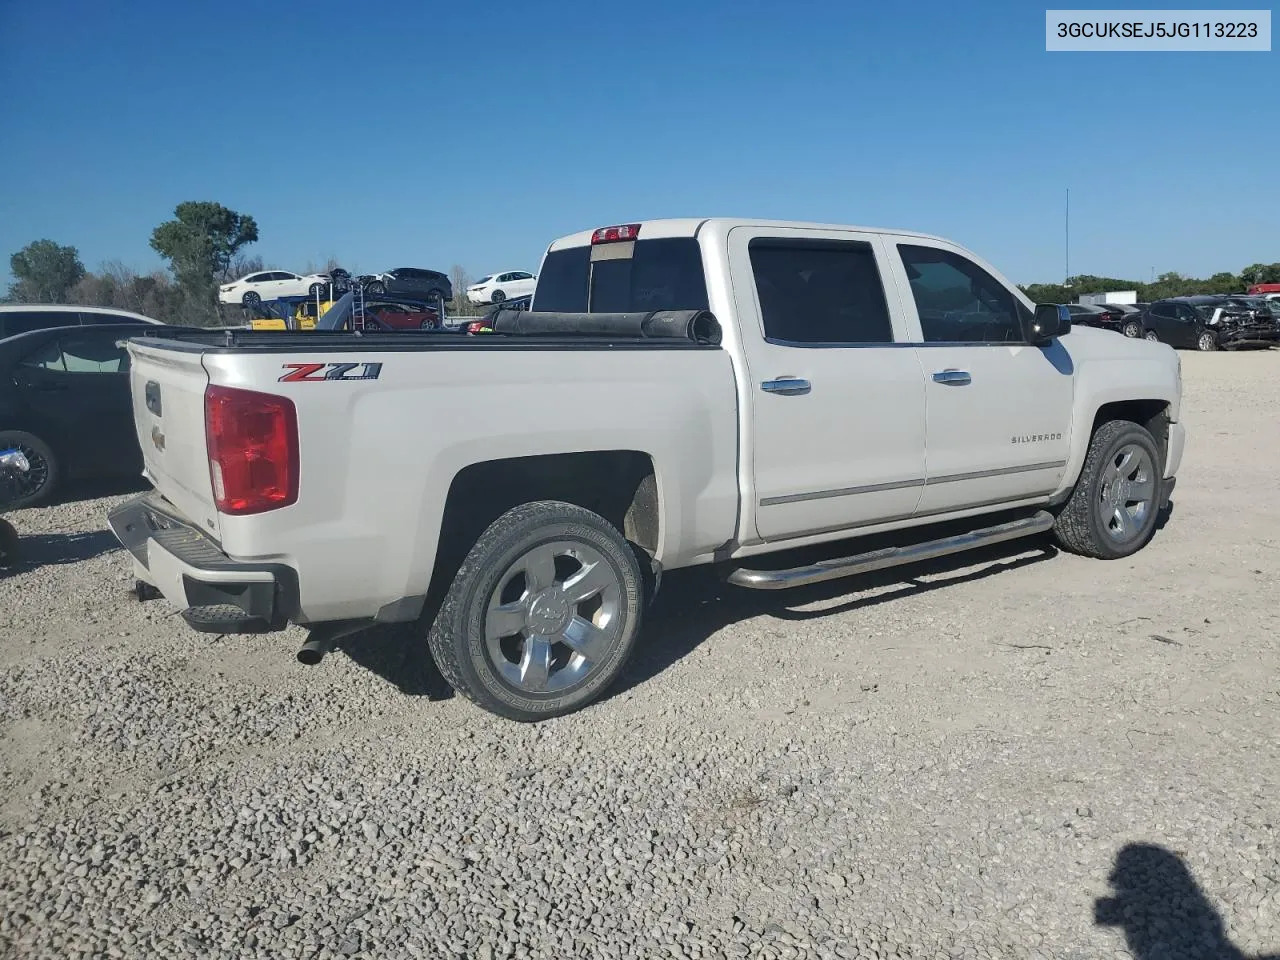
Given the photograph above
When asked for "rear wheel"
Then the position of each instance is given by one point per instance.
(316, 289)
(1152, 336)
(36, 485)
(375, 289)
(1112, 510)
(498, 296)
(542, 614)
(1206, 341)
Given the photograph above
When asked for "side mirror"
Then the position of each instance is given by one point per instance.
(1051, 320)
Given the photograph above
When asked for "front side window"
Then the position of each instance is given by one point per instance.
(819, 291)
(958, 301)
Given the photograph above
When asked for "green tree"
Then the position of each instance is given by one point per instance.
(200, 245)
(1261, 273)
(44, 272)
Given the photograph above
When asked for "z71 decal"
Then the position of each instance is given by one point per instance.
(322, 372)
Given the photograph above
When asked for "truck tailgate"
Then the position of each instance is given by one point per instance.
(168, 383)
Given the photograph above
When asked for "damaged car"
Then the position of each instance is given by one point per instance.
(1209, 323)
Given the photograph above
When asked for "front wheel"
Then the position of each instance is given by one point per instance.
(1206, 341)
(1113, 509)
(1152, 336)
(316, 289)
(1133, 329)
(251, 299)
(375, 289)
(8, 545)
(542, 614)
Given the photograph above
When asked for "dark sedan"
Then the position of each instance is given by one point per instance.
(65, 403)
(1090, 315)
(410, 282)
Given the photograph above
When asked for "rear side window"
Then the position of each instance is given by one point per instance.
(820, 291)
(80, 353)
(13, 322)
(664, 274)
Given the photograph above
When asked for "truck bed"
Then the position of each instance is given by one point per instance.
(389, 428)
(512, 330)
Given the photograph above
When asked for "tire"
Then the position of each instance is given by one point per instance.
(1206, 341)
(316, 288)
(1089, 523)
(40, 482)
(1133, 329)
(493, 593)
(250, 299)
(497, 296)
(9, 554)
(1152, 336)
(376, 289)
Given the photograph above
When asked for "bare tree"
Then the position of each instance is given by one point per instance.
(460, 279)
(241, 264)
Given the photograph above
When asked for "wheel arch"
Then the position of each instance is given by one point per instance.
(622, 486)
(1151, 411)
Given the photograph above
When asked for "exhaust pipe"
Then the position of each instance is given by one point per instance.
(313, 651)
(323, 637)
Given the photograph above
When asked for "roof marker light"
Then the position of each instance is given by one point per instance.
(618, 234)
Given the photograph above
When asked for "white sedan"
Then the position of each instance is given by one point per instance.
(501, 286)
(271, 285)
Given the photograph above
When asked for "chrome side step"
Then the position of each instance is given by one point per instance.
(890, 556)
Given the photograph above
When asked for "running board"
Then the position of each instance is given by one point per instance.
(890, 556)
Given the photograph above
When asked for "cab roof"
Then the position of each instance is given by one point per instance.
(690, 226)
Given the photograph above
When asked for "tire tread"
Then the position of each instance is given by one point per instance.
(1073, 528)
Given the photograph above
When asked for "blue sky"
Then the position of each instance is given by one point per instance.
(403, 133)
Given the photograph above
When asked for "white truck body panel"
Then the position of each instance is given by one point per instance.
(876, 442)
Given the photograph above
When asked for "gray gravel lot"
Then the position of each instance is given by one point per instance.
(1017, 755)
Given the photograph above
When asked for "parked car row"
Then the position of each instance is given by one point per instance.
(1208, 322)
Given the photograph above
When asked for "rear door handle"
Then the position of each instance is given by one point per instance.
(787, 386)
(956, 378)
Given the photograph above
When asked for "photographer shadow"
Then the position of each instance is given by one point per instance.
(1162, 910)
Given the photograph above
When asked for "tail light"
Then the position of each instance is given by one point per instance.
(252, 440)
(627, 231)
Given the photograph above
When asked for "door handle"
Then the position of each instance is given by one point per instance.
(955, 378)
(787, 386)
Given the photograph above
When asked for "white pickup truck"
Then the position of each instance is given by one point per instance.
(682, 392)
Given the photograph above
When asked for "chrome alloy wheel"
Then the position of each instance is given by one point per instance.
(554, 616)
(1126, 493)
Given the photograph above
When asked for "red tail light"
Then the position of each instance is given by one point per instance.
(253, 449)
(627, 231)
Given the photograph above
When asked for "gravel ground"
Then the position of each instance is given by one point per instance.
(1017, 755)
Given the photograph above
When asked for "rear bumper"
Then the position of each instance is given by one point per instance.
(195, 576)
